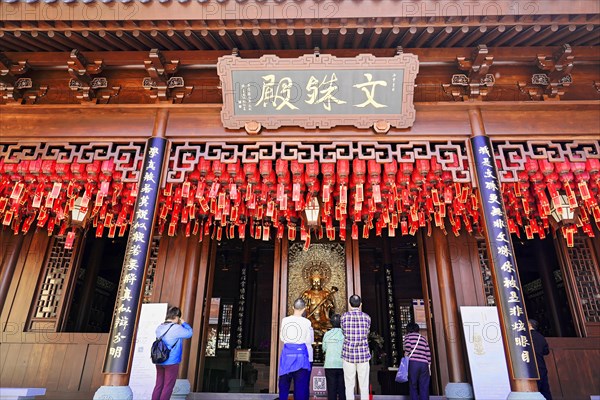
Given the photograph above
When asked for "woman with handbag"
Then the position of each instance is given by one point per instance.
(417, 350)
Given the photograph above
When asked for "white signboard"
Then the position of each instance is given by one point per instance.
(143, 372)
(487, 362)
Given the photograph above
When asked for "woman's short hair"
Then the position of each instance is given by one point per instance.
(336, 320)
(173, 313)
(411, 327)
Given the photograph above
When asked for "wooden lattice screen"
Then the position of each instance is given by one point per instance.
(585, 273)
(46, 313)
(153, 259)
(486, 273)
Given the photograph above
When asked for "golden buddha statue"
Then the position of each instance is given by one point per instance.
(319, 304)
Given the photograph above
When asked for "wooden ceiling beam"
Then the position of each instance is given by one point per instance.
(391, 37)
(515, 30)
(325, 38)
(7, 44)
(549, 31)
(375, 36)
(113, 40)
(581, 32)
(193, 39)
(441, 36)
(527, 35)
(259, 39)
(141, 36)
(424, 36)
(408, 36)
(58, 37)
(457, 36)
(472, 38)
(243, 39)
(178, 40)
(208, 38)
(130, 40)
(226, 38)
(291, 34)
(80, 43)
(308, 38)
(593, 34)
(87, 35)
(162, 40)
(54, 44)
(26, 39)
(556, 38)
(341, 39)
(492, 34)
(358, 37)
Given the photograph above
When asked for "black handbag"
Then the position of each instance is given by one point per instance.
(160, 351)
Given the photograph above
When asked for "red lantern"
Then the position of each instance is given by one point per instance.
(328, 170)
(203, 166)
(546, 167)
(563, 167)
(312, 169)
(281, 167)
(531, 166)
(359, 167)
(61, 169)
(343, 168)
(422, 167)
(390, 169)
(406, 168)
(108, 167)
(417, 178)
(592, 165)
(265, 167)
(217, 168)
(35, 167)
(436, 167)
(48, 167)
(93, 169)
(297, 168)
(23, 167)
(578, 167)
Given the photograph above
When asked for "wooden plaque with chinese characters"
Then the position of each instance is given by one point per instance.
(318, 91)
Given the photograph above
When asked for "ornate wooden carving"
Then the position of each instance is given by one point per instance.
(15, 88)
(478, 83)
(452, 155)
(318, 62)
(53, 287)
(87, 86)
(512, 155)
(486, 273)
(162, 85)
(557, 72)
(152, 260)
(126, 156)
(585, 271)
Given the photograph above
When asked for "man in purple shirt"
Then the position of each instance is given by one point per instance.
(355, 350)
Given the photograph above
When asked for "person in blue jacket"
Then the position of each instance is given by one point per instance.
(174, 329)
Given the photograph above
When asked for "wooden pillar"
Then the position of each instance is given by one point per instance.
(451, 321)
(8, 268)
(118, 356)
(89, 283)
(390, 295)
(279, 309)
(187, 301)
(210, 277)
(522, 374)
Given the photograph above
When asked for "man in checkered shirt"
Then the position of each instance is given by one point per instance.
(355, 350)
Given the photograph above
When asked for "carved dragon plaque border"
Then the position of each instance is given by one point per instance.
(405, 63)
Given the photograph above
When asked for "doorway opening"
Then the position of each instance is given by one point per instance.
(239, 328)
(392, 293)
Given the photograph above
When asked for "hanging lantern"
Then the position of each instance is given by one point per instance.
(531, 166)
(592, 165)
(359, 167)
(203, 166)
(436, 167)
(563, 168)
(578, 167)
(422, 167)
(297, 168)
(546, 167)
(312, 169)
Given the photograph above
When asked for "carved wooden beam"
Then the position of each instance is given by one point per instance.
(86, 86)
(479, 82)
(9, 70)
(557, 72)
(162, 85)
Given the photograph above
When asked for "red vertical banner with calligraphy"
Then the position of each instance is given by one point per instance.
(123, 328)
(510, 301)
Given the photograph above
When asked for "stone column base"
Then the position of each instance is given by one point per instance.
(525, 396)
(181, 390)
(113, 393)
(458, 390)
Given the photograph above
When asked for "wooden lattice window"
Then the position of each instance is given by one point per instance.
(53, 287)
(585, 274)
(486, 273)
(153, 259)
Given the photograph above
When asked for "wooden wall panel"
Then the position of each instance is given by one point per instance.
(467, 275)
(26, 279)
(572, 365)
(170, 291)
